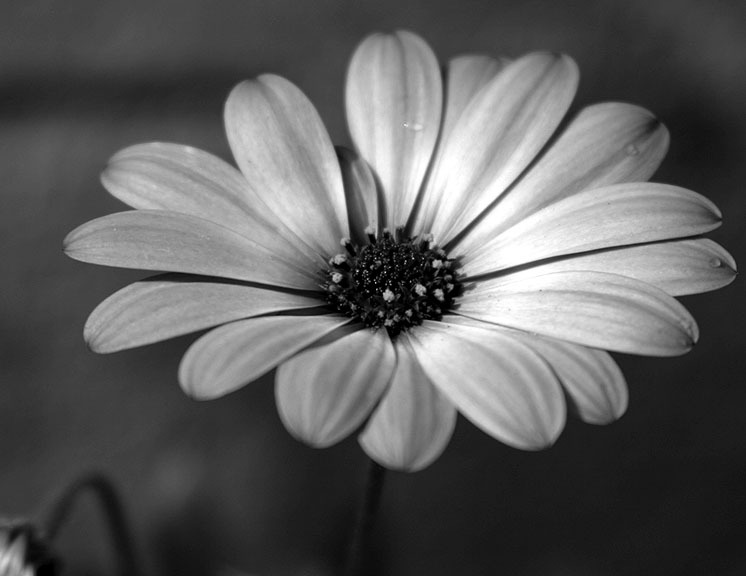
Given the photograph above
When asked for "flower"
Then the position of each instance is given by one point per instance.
(22, 552)
(462, 258)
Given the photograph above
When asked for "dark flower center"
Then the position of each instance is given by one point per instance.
(392, 281)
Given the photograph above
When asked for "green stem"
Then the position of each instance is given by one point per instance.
(113, 512)
(359, 544)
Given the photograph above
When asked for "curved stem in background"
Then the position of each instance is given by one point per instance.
(359, 544)
(113, 512)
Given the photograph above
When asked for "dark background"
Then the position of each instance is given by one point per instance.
(221, 486)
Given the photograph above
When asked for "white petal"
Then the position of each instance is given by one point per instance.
(496, 381)
(678, 267)
(413, 423)
(465, 76)
(361, 193)
(500, 133)
(159, 176)
(605, 144)
(173, 242)
(593, 380)
(594, 309)
(618, 215)
(324, 393)
(166, 306)
(235, 354)
(394, 99)
(284, 151)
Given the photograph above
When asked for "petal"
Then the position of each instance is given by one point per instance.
(605, 144)
(501, 131)
(235, 354)
(496, 381)
(618, 215)
(394, 99)
(170, 305)
(159, 176)
(361, 194)
(173, 242)
(465, 76)
(324, 393)
(593, 380)
(678, 267)
(413, 423)
(284, 151)
(589, 308)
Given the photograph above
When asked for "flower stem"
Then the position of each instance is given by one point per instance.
(113, 512)
(358, 551)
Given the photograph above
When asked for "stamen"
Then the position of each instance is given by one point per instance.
(371, 234)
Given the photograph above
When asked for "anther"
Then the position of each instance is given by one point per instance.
(371, 234)
(349, 247)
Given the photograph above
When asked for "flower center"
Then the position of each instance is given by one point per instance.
(392, 281)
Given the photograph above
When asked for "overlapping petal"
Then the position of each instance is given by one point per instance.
(362, 195)
(170, 305)
(501, 131)
(604, 144)
(618, 215)
(465, 76)
(413, 422)
(590, 308)
(175, 242)
(284, 151)
(496, 381)
(592, 379)
(678, 267)
(325, 392)
(235, 354)
(175, 178)
(394, 100)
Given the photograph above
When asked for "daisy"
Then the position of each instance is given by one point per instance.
(468, 256)
(22, 551)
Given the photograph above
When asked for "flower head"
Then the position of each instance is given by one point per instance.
(463, 258)
(22, 552)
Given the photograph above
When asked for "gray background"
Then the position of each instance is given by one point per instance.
(218, 486)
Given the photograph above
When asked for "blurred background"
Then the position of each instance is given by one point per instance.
(220, 487)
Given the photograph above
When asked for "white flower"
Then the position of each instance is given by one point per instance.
(548, 252)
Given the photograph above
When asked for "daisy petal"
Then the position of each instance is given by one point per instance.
(173, 242)
(325, 392)
(413, 423)
(361, 194)
(170, 305)
(593, 380)
(605, 144)
(618, 215)
(495, 380)
(500, 132)
(160, 176)
(589, 308)
(678, 267)
(394, 99)
(235, 354)
(284, 151)
(465, 76)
